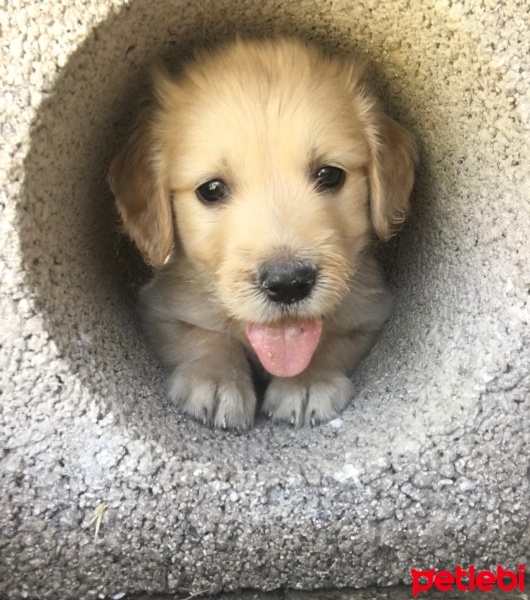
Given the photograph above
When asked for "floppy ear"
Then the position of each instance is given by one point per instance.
(393, 155)
(142, 196)
(390, 172)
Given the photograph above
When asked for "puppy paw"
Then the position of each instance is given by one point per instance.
(301, 401)
(218, 401)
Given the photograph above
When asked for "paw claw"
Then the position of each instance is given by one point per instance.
(214, 399)
(307, 402)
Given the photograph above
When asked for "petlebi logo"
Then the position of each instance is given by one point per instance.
(468, 580)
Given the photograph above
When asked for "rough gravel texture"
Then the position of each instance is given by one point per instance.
(430, 464)
(400, 592)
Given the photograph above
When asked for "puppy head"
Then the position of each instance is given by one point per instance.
(275, 162)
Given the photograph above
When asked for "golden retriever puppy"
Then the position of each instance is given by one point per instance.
(252, 185)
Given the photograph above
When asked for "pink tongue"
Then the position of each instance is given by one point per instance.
(285, 349)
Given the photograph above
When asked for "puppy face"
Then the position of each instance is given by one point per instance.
(287, 162)
(265, 166)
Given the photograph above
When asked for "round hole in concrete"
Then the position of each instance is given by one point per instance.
(441, 271)
(428, 464)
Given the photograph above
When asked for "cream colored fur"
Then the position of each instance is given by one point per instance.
(261, 116)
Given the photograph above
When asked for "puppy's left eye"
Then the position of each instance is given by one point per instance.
(328, 178)
(212, 191)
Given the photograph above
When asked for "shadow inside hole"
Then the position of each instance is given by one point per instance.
(83, 274)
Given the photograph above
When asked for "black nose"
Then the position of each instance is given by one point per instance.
(287, 281)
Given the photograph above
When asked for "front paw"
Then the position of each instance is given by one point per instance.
(307, 401)
(213, 398)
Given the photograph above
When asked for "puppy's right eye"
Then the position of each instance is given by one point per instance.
(212, 191)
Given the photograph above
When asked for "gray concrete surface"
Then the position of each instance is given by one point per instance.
(428, 466)
(391, 593)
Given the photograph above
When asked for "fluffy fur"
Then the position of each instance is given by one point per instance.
(263, 117)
